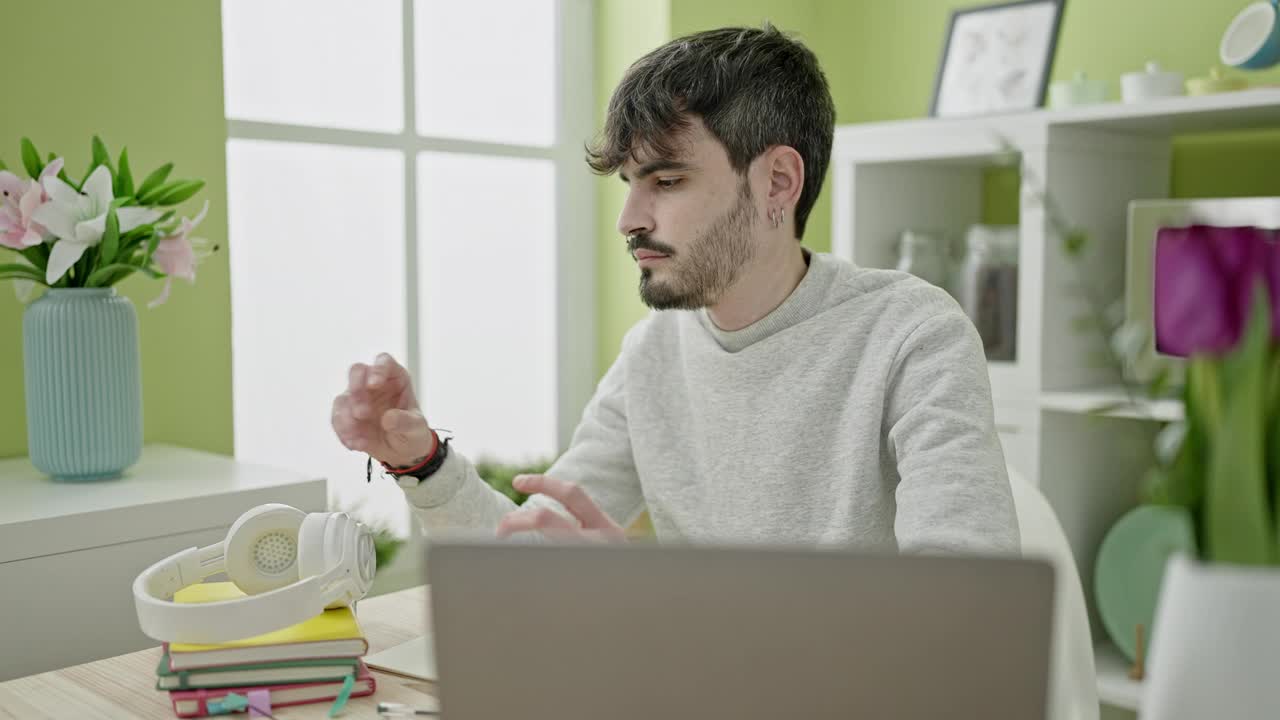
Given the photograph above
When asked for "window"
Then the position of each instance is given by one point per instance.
(407, 176)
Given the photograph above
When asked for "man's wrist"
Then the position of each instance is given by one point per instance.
(425, 468)
(416, 461)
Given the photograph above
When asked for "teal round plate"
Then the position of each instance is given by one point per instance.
(1130, 567)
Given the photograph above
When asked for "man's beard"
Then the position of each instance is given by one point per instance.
(698, 277)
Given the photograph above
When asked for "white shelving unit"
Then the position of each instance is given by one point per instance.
(1114, 684)
(1112, 402)
(1064, 419)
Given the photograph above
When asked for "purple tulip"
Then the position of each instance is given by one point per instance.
(1204, 282)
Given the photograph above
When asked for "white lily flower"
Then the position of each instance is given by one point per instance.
(78, 219)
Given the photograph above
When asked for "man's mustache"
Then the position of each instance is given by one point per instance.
(644, 242)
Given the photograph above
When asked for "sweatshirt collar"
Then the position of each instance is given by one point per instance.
(803, 303)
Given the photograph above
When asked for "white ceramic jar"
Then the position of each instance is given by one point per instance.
(1150, 84)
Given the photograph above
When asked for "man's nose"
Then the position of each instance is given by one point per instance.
(635, 217)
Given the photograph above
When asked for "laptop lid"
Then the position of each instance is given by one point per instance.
(659, 631)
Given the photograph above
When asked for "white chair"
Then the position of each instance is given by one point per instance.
(1073, 681)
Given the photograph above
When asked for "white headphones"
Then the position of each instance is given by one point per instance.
(290, 564)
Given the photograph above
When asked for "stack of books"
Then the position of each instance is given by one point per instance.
(317, 660)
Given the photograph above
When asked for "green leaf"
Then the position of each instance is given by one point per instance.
(181, 192)
(3, 165)
(1238, 524)
(385, 547)
(1204, 394)
(1075, 242)
(110, 239)
(64, 177)
(24, 271)
(31, 158)
(156, 193)
(153, 181)
(1273, 384)
(124, 178)
(37, 255)
(107, 276)
(100, 154)
(151, 249)
(1159, 384)
(1185, 477)
(1273, 472)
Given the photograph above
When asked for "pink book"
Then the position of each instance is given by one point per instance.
(195, 703)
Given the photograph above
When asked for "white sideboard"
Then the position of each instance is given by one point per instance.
(69, 551)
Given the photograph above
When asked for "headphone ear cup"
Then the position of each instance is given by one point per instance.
(313, 554)
(261, 550)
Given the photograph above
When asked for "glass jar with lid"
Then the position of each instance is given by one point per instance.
(987, 287)
(925, 255)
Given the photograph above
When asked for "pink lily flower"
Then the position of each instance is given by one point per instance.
(18, 203)
(177, 255)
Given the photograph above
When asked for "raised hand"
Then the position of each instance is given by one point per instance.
(379, 414)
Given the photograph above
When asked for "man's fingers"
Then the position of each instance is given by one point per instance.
(344, 424)
(356, 377)
(384, 366)
(572, 496)
(539, 519)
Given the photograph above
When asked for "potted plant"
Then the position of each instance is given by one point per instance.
(1217, 629)
(79, 239)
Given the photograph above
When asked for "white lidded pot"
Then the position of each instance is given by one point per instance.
(1150, 84)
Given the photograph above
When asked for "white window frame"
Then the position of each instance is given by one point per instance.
(575, 286)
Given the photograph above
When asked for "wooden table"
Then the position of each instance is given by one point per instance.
(124, 686)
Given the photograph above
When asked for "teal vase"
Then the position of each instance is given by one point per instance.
(83, 383)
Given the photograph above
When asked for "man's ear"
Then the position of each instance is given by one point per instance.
(785, 170)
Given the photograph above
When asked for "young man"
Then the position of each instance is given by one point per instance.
(775, 395)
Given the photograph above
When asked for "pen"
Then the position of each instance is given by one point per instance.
(386, 709)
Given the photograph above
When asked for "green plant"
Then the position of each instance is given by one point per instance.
(386, 546)
(500, 475)
(1225, 470)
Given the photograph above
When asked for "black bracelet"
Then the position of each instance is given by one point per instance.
(421, 473)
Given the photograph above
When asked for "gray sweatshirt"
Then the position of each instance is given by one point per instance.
(858, 413)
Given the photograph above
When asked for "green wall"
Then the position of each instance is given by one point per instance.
(146, 74)
(625, 30)
(881, 57)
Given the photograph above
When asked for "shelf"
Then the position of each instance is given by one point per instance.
(1114, 403)
(1256, 108)
(971, 139)
(1114, 686)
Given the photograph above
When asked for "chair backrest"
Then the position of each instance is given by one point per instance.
(1073, 681)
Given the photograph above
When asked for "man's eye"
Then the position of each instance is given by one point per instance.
(668, 182)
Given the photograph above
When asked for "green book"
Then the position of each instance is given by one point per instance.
(274, 673)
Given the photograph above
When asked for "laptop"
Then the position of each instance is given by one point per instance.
(641, 632)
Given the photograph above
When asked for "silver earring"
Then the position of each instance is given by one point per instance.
(782, 216)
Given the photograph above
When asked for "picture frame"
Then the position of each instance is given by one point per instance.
(997, 58)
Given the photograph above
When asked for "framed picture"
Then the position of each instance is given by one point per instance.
(997, 58)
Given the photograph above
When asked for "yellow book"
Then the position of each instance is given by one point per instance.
(331, 634)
